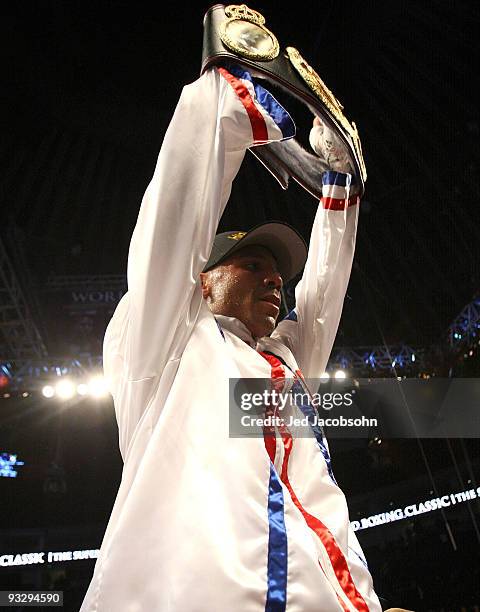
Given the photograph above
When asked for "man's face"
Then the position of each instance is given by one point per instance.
(246, 286)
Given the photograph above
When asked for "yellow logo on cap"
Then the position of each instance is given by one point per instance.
(237, 235)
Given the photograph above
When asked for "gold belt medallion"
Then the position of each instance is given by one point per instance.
(244, 33)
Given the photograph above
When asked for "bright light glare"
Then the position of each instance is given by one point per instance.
(98, 386)
(339, 374)
(82, 389)
(325, 376)
(65, 389)
(48, 391)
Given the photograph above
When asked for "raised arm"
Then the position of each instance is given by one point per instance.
(310, 329)
(217, 118)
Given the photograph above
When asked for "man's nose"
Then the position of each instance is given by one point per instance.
(273, 280)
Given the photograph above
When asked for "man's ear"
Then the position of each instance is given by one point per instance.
(204, 278)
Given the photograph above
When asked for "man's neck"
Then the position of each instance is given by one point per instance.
(235, 326)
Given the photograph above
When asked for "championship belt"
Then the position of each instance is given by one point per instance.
(236, 34)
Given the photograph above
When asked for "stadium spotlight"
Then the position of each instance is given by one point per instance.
(65, 389)
(340, 374)
(48, 391)
(82, 389)
(98, 386)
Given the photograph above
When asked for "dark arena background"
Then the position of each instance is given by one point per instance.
(88, 91)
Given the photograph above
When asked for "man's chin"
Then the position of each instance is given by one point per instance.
(266, 328)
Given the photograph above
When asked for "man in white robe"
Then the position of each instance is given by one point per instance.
(205, 522)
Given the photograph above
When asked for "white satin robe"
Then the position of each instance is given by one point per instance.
(192, 528)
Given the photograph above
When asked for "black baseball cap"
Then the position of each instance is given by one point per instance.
(285, 243)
